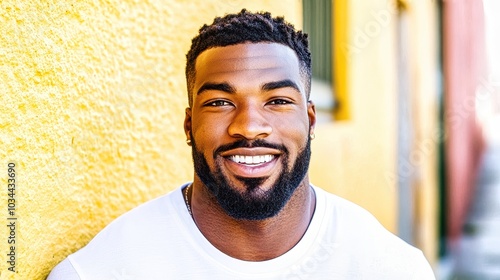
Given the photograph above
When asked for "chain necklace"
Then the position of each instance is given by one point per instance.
(186, 199)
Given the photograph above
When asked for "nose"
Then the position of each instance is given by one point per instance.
(249, 122)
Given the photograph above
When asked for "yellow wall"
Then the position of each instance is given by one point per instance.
(352, 157)
(92, 98)
(355, 157)
(424, 59)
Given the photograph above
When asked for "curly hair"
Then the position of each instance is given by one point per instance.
(246, 27)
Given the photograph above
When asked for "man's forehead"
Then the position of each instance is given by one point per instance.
(248, 56)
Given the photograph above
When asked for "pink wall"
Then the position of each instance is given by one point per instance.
(464, 67)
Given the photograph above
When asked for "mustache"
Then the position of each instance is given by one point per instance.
(250, 144)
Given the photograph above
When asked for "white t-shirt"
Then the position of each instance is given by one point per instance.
(159, 240)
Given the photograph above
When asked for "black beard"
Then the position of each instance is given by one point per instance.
(252, 204)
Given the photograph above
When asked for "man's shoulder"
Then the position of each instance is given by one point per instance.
(363, 242)
(153, 225)
(355, 225)
(149, 217)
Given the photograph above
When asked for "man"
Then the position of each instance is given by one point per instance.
(250, 212)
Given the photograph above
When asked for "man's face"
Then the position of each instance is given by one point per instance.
(249, 124)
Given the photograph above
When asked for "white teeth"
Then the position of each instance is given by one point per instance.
(252, 159)
(248, 159)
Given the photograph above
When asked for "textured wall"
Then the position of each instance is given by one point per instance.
(92, 99)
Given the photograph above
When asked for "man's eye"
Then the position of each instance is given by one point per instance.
(217, 103)
(279, 102)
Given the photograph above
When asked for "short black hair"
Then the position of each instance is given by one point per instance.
(246, 27)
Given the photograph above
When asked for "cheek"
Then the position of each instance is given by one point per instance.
(294, 137)
(295, 130)
(207, 136)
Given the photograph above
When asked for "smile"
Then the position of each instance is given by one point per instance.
(252, 160)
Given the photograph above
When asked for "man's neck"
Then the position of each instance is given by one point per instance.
(253, 240)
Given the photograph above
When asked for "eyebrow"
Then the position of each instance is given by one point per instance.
(225, 87)
(280, 84)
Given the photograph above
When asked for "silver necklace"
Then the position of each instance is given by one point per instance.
(186, 199)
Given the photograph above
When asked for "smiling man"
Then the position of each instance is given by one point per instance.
(250, 212)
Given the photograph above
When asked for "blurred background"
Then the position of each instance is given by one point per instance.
(413, 125)
(407, 92)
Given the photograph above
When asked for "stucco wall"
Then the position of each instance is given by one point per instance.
(92, 98)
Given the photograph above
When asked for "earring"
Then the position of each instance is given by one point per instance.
(312, 136)
(188, 141)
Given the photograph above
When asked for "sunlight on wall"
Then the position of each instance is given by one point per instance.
(93, 98)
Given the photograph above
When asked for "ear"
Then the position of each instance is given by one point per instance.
(187, 123)
(311, 113)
